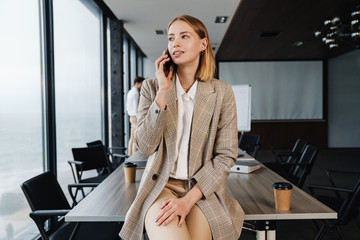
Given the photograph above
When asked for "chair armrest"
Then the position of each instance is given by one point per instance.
(330, 173)
(76, 162)
(82, 185)
(120, 155)
(329, 188)
(120, 148)
(111, 149)
(48, 213)
(342, 172)
(78, 186)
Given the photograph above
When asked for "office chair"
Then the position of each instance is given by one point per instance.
(86, 159)
(344, 201)
(115, 157)
(297, 172)
(286, 156)
(249, 143)
(47, 201)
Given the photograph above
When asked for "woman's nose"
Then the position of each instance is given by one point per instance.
(176, 42)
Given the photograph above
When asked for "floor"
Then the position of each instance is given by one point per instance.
(340, 159)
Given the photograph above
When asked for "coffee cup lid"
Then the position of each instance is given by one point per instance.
(130, 164)
(282, 186)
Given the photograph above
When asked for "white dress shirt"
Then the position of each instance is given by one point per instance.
(132, 101)
(185, 104)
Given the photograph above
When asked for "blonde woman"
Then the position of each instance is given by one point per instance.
(187, 127)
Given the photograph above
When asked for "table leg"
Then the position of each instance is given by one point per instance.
(265, 230)
(271, 235)
(260, 235)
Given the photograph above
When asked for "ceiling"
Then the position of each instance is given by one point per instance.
(296, 20)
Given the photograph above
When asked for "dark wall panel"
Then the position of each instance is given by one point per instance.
(282, 134)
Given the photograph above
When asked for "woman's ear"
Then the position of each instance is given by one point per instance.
(204, 43)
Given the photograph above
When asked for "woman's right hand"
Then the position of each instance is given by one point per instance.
(163, 80)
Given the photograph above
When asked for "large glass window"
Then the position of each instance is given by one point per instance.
(78, 77)
(140, 64)
(133, 61)
(126, 86)
(21, 152)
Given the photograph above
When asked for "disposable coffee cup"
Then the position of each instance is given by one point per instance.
(130, 172)
(282, 194)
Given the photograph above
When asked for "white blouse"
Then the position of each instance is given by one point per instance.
(185, 104)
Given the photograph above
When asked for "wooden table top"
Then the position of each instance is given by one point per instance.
(112, 198)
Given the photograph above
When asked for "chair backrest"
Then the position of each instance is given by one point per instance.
(347, 207)
(93, 157)
(95, 143)
(298, 148)
(249, 143)
(43, 192)
(298, 173)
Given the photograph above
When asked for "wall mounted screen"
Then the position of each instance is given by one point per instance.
(291, 90)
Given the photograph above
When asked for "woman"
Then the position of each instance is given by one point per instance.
(187, 125)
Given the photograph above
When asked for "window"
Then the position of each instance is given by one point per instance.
(126, 86)
(78, 78)
(21, 148)
(140, 64)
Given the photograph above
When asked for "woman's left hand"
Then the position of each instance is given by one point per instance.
(173, 208)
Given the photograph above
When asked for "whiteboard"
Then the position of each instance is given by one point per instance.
(243, 106)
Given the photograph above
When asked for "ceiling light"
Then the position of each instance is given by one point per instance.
(160, 32)
(334, 31)
(221, 19)
(298, 44)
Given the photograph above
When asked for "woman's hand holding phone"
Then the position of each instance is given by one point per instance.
(163, 79)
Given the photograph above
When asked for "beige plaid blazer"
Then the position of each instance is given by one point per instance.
(213, 151)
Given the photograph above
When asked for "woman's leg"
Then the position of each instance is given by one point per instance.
(197, 224)
(170, 231)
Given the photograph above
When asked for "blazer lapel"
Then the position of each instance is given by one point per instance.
(171, 123)
(203, 112)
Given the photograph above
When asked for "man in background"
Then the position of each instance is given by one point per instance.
(132, 102)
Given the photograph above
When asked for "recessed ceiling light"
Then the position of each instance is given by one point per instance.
(160, 32)
(221, 19)
(298, 44)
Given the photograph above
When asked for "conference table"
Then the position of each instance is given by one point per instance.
(110, 201)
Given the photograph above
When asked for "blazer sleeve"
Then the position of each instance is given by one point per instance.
(213, 174)
(151, 120)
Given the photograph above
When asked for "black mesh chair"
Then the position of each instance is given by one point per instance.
(47, 201)
(286, 157)
(298, 171)
(249, 143)
(343, 200)
(116, 155)
(87, 159)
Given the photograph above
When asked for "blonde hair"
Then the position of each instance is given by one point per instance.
(206, 67)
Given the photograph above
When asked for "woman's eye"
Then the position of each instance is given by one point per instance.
(171, 38)
(185, 36)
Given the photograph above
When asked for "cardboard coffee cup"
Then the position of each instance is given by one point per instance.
(130, 172)
(282, 194)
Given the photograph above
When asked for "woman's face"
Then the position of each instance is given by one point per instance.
(184, 44)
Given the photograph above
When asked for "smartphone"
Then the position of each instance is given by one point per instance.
(168, 64)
